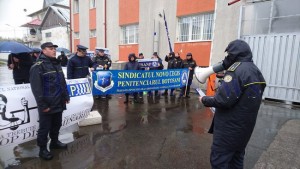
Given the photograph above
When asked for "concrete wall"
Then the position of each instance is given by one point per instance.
(113, 28)
(149, 18)
(226, 28)
(84, 31)
(100, 22)
(59, 36)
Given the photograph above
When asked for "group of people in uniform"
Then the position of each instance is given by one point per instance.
(49, 88)
(174, 62)
(237, 100)
(80, 65)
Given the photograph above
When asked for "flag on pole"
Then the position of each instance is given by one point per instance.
(166, 25)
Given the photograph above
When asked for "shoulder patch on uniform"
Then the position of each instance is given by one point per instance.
(227, 78)
(233, 66)
(39, 62)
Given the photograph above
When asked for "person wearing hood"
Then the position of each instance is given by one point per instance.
(176, 63)
(189, 63)
(168, 59)
(49, 88)
(237, 102)
(132, 64)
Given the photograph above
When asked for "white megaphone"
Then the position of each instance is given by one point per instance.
(203, 73)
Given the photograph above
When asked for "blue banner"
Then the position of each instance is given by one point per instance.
(148, 63)
(128, 81)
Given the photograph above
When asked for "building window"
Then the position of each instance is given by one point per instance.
(92, 33)
(271, 17)
(48, 34)
(130, 34)
(195, 28)
(76, 6)
(76, 35)
(92, 4)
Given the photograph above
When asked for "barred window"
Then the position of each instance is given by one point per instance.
(92, 33)
(270, 17)
(76, 35)
(130, 34)
(92, 4)
(195, 28)
(76, 6)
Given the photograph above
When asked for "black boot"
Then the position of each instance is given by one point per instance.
(126, 101)
(135, 99)
(45, 154)
(57, 145)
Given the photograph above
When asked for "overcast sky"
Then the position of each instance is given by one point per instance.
(12, 13)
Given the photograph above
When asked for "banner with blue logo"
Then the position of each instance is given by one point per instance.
(128, 81)
(19, 107)
(148, 63)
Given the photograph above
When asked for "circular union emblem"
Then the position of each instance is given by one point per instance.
(227, 78)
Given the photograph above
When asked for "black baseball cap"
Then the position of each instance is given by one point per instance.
(48, 44)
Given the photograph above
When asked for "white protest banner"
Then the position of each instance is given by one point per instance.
(19, 113)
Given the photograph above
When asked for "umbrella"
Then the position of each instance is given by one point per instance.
(13, 47)
(63, 49)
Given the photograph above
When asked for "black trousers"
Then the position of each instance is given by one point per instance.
(21, 81)
(182, 93)
(49, 125)
(227, 159)
(135, 95)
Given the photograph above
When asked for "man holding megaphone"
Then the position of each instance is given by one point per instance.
(237, 102)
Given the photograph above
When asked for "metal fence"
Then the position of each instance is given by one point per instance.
(278, 57)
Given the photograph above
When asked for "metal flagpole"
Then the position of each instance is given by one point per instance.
(167, 32)
(187, 83)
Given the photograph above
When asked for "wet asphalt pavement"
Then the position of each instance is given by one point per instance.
(162, 133)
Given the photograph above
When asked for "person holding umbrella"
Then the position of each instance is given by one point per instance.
(18, 60)
(20, 65)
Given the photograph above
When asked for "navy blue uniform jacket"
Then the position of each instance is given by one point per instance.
(237, 102)
(78, 67)
(48, 85)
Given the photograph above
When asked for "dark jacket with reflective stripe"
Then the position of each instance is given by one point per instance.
(48, 85)
(102, 60)
(237, 102)
(78, 67)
